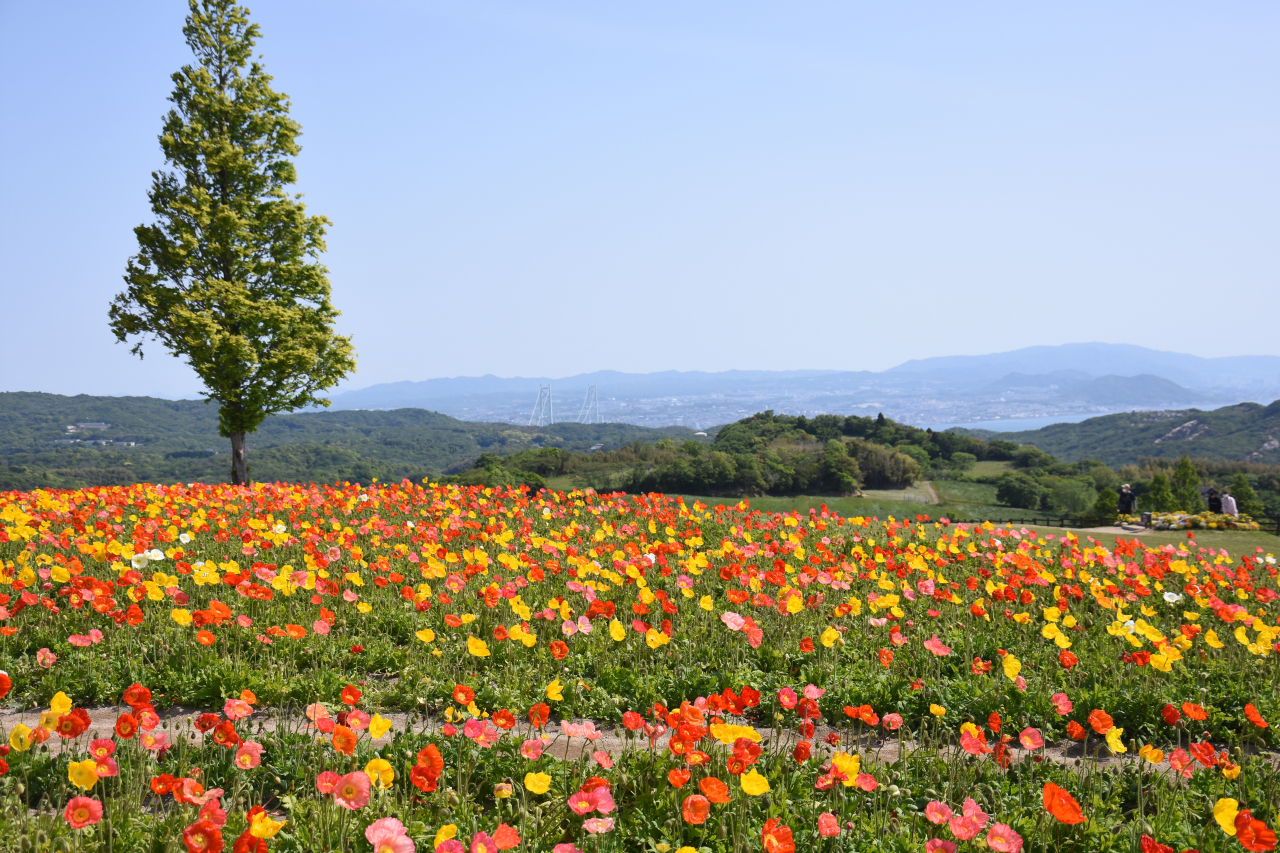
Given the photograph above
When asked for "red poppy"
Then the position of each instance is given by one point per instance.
(776, 838)
(461, 694)
(73, 724)
(1101, 721)
(1067, 659)
(632, 721)
(1204, 753)
(802, 751)
(1250, 712)
(695, 809)
(539, 714)
(994, 722)
(1062, 805)
(147, 717)
(1075, 731)
(126, 726)
(678, 777)
(136, 695)
(1170, 715)
(559, 649)
(225, 734)
(202, 837)
(1150, 845)
(163, 784)
(207, 722)
(5, 684)
(886, 657)
(1253, 834)
(806, 645)
(1194, 711)
(351, 695)
(504, 720)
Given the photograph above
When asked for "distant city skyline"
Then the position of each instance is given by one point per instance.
(547, 189)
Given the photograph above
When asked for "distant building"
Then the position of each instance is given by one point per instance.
(597, 447)
(94, 425)
(703, 434)
(66, 441)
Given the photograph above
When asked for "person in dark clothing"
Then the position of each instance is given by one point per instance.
(1215, 502)
(1128, 500)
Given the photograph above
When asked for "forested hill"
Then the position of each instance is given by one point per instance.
(178, 440)
(1247, 432)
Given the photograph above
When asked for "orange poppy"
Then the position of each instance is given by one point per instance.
(539, 714)
(205, 638)
(136, 695)
(351, 695)
(1075, 731)
(715, 790)
(1062, 805)
(776, 838)
(126, 726)
(1194, 711)
(1204, 753)
(1254, 717)
(225, 734)
(344, 740)
(1101, 721)
(463, 695)
(452, 621)
(559, 649)
(297, 632)
(695, 809)
(678, 777)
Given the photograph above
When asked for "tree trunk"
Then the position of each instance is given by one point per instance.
(239, 464)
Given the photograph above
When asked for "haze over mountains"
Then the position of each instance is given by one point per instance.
(1071, 381)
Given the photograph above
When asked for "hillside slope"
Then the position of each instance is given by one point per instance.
(1246, 432)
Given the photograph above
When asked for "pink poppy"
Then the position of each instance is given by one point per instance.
(532, 748)
(482, 842)
(936, 646)
(596, 825)
(866, 782)
(46, 658)
(892, 722)
(787, 698)
(321, 627)
(82, 812)
(964, 828)
(326, 780)
(814, 692)
(388, 835)
(248, 755)
(243, 621)
(1021, 684)
(602, 798)
(237, 709)
(973, 810)
(154, 742)
(602, 758)
(1180, 760)
(1030, 739)
(352, 791)
(581, 803)
(107, 766)
(938, 812)
(357, 721)
(213, 812)
(95, 635)
(1002, 838)
(733, 621)
(453, 845)
(102, 747)
(828, 825)
(1061, 704)
(938, 845)
(81, 640)
(566, 847)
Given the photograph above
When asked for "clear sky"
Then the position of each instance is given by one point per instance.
(548, 188)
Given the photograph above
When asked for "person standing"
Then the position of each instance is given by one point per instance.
(1229, 504)
(1128, 500)
(1215, 502)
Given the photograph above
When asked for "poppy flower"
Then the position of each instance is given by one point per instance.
(678, 777)
(326, 781)
(776, 838)
(1002, 838)
(559, 649)
(1204, 753)
(806, 645)
(1067, 659)
(205, 638)
(1062, 805)
(1194, 711)
(6, 684)
(351, 695)
(1101, 721)
(225, 734)
(352, 790)
(828, 825)
(714, 790)
(1150, 845)
(82, 812)
(1253, 834)
(695, 809)
(202, 837)
(1170, 715)
(344, 740)
(539, 714)
(1251, 713)
(135, 695)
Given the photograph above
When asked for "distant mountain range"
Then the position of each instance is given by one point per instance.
(1068, 381)
(1247, 432)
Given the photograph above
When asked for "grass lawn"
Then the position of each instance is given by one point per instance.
(989, 469)
(953, 492)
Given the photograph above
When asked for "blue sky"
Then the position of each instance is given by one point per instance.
(552, 188)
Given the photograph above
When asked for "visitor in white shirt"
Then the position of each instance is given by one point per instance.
(1229, 505)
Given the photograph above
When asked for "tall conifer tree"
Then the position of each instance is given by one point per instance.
(228, 276)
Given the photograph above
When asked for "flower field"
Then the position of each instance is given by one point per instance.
(412, 667)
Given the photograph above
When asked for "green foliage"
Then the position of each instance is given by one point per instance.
(1159, 496)
(1246, 498)
(1072, 496)
(1107, 506)
(961, 461)
(1186, 486)
(1019, 490)
(228, 277)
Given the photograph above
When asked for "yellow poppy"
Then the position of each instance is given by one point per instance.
(380, 772)
(537, 783)
(754, 784)
(83, 774)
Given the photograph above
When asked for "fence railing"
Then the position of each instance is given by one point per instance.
(1266, 523)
